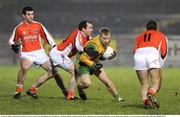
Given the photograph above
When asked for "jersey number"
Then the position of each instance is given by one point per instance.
(147, 37)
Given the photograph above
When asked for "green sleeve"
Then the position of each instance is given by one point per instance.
(91, 50)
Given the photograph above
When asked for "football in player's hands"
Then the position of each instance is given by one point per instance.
(109, 53)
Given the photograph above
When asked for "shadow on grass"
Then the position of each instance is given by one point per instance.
(140, 106)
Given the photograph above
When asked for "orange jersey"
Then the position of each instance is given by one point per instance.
(29, 36)
(72, 44)
(152, 38)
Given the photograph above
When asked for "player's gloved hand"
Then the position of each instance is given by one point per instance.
(95, 69)
(101, 58)
(15, 48)
(112, 55)
(97, 66)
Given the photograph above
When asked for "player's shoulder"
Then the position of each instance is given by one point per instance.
(156, 32)
(160, 33)
(75, 31)
(140, 35)
(37, 23)
(95, 38)
(73, 35)
(19, 25)
(92, 41)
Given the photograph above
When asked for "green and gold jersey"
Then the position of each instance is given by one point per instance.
(97, 50)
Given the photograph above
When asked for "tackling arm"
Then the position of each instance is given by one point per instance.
(47, 36)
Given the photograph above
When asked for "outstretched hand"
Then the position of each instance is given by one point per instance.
(97, 66)
(95, 69)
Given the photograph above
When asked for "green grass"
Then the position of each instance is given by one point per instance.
(51, 100)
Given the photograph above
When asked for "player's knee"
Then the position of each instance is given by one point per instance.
(71, 69)
(145, 86)
(86, 84)
(24, 69)
(50, 74)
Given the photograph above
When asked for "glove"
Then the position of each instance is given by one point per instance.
(15, 48)
(95, 69)
(101, 58)
(97, 66)
(112, 55)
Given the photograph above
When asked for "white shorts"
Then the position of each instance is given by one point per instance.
(60, 59)
(37, 57)
(147, 58)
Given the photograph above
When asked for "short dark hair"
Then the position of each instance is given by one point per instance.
(105, 30)
(151, 25)
(27, 8)
(83, 24)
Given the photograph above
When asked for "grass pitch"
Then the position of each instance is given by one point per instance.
(100, 102)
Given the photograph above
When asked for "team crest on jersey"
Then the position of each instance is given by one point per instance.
(36, 31)
(24, 33)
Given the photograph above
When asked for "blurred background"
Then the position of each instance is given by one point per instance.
(126, 19)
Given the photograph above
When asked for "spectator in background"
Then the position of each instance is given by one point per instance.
(150, 50)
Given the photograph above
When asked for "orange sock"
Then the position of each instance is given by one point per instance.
(19, 89)
(70, 94)
(146, 102)
(152, 91)
(33, 89)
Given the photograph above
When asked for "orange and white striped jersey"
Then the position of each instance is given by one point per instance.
(30, 36)
(74, 43)
(152, 38)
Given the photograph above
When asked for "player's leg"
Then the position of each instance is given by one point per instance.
(59, 80)
(156, 78)
(40, 58)
(72, 82)
(67, 64)
(83, 74)
(84, 80)
(141, 66)
(41, 80)
(110, 86)
(56, 58)
(25, 65)
(155, 65)
(84, 83)
(143, 76)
